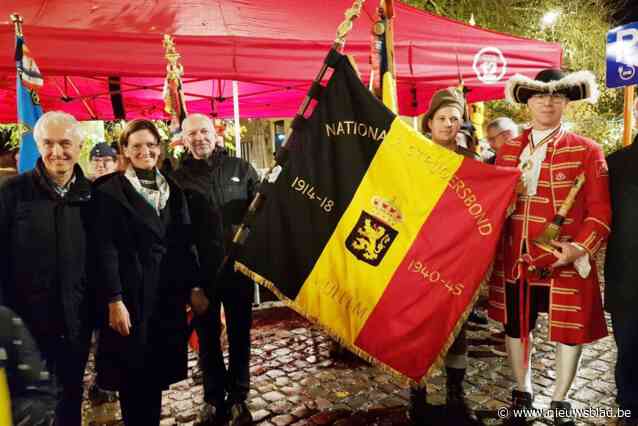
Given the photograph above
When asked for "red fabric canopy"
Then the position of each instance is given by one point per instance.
(272, 47)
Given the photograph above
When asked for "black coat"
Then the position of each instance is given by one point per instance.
(621, 267)
(151, 263)
(222, 185)
(43, 261)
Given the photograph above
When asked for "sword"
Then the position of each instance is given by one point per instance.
(552, 230)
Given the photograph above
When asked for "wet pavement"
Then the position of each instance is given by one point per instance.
(295, 380)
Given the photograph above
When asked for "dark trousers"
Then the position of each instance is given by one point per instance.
(625, 326)
(141, 404)
(236, 295)
(65, 360)
(459, 346)
(538, 301)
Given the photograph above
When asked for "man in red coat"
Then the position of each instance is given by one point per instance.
(562, 282)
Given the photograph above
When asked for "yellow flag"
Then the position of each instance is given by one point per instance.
(390, 93)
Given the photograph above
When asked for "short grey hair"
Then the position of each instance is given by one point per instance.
(58, 117)
(502, 124)
(196, 115)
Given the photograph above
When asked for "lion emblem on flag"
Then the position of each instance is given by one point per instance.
(372, 236)
(371, 240)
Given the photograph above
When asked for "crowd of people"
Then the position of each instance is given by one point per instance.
(122, 253)
(122, 256)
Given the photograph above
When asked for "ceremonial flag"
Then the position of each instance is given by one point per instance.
(28, 82)
(382, 56)
(375, 232)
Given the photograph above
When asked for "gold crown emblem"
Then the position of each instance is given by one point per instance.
(386, 210)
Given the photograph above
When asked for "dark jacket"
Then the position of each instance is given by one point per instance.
(222, 184)
(6, 173)
(32, 398)
(43, 253)
(621, 268)
(151, 263)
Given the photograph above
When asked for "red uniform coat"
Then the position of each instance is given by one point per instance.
(575, 307)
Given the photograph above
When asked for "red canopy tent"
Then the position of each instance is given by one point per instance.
(272, 47)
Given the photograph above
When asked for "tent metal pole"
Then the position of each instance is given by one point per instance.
(84, 102)
(236, 115)
(256, 294)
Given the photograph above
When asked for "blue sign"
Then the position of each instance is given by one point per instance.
(622, 56)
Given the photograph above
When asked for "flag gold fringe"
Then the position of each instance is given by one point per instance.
(438, 363)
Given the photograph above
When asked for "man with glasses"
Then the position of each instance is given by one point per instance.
(500, 131)
(562, 280)
(103, 158)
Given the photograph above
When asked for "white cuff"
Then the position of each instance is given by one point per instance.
(582, 264)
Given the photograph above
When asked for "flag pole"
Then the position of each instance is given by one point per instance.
(628, 114)
(173, 93)
(338, 45)
(382, 66)
(29, 110)
(236, 117)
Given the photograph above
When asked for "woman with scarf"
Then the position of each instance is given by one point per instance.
(146, 269)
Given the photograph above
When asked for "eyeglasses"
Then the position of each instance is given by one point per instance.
(554, 97)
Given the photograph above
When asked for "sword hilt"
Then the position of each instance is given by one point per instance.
(552, 230)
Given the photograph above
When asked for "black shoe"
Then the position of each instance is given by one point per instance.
(457, 410)
(562, 413)
(337, 351)
(520, 401)
(99, 396)
(240, 415)
(212, 415)
(419, 412)
(478, 319)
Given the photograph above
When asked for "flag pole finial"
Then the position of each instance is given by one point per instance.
(174, 103)
(174, 69)
(17, 21)
(346, 26)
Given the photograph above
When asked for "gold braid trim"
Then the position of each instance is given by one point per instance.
(598, 221)
(436, 365)
(240, 267)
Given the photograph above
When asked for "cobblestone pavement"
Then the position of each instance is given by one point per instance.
(295, 381)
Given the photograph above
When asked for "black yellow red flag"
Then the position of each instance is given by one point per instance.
(375, 232)
(382, 56)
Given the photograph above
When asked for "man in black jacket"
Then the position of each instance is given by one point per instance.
(215, 183)
(621, 274)
(43, 229)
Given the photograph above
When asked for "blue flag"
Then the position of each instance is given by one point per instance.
(28, 81)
